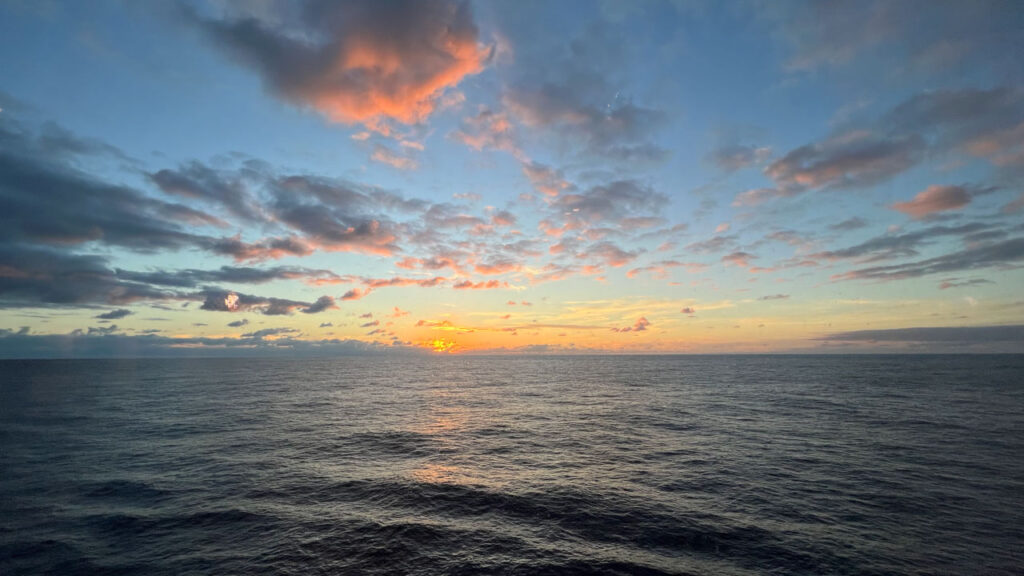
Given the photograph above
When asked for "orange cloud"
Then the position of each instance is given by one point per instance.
(369, 63)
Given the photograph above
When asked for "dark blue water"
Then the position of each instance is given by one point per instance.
(512, 465)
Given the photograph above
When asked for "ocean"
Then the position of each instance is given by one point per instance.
(513, 465)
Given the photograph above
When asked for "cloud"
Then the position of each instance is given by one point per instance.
(545, 179)
(99, 345)
(964, 334)
(774, 297)
(610, 203)
(854, 223)
(639, 326)
(470, 285)
(198, 181)
(736, 157)
(998, 254)
(238, 323)
(322, 303)
(361, 62)
(897, 245)
(386, 155)
(757, 196)
(1015, 206)
(934, 199)
(608, 254)
(494, 267)
(712, 245)
(689, 310)
(973, 121)
(851, 160)
(954, 283)
(78, 208)
(503, 218)
(571, 96)
(354, 294)
(261, 334)
(489, 130)
(899, 37)
(115, 314)
(741, 259)
(230, 274)
(229, 301)
(266, 249)
(657, 269)
(370, 324)
(31, 275)
(326, 325)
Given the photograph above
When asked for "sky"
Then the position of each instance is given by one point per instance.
(292, 178)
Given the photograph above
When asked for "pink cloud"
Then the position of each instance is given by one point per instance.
(470, 285)
(388, 156)
(354, 294)
(639, 326)
(738, 259)
(934, 199)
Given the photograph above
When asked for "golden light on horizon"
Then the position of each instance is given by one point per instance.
(441, 345)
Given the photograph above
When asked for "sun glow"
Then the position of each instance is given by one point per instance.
(441, 345)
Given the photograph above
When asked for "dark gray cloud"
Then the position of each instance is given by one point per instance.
(332, 215)
(961, 116)
(322, 303)
(41, 275)
(260, 334)
(79, 344)
(850, 160)
(900, 245)
(977, 122)
(774, 297)
(230, 301)
(998, 254)
(238, 323)
(612, 203)
(198, 181)
(190, 278)
(966, 334)
(76, 207)
(115, 314)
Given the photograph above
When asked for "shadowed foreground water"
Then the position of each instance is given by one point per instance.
(512, 465)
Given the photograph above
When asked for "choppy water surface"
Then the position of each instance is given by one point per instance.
(569, 465)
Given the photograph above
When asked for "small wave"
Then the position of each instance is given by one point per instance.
(125, 489)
